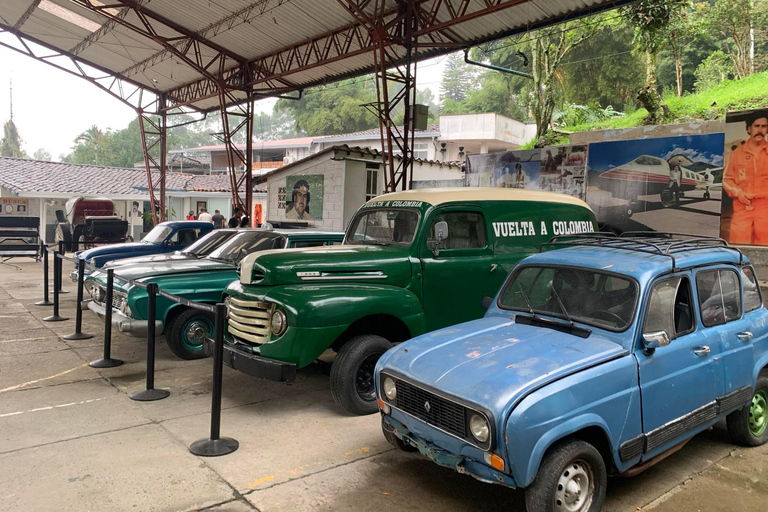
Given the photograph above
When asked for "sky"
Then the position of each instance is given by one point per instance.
(51, 107)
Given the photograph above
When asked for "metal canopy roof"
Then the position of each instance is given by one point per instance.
(182, 48)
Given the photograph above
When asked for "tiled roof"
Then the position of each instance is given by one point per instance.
(21, 175)
(280, 143)
(372, 133)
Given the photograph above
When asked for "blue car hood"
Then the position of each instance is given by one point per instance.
(493, 361)
(115, 251)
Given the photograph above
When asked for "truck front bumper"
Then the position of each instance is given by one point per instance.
(252, 364)
(126, 324)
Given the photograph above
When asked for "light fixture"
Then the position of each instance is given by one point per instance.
(461, 151)
(442, 147)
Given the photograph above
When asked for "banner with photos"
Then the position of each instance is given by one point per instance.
(15, 206)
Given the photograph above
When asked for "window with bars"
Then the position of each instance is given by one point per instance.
(420, 150)
(371, 184)
(281, 198)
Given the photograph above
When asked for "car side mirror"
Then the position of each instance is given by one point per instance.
(441, 233)
(487, 301)
(654, 340)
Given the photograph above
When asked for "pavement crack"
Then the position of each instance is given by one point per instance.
(75, 438)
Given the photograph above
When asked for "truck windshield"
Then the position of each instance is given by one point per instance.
(595, 298)
(208, 243)
(383, 227)
(157, 235)
(246, 242)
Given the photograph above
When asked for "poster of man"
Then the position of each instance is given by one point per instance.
(670, 184)
(304, 197)
(563, 169)
(744, 214)
(510, 169)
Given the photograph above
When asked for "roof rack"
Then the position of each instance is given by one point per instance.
(651, 242)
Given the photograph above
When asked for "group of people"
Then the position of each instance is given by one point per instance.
(238, 220)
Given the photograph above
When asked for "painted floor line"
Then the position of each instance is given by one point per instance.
(17, 386)
(52, 407)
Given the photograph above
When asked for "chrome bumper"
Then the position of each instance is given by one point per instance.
(126, 324)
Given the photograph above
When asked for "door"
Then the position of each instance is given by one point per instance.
(720, 307)
(461, 269)
(677, 382)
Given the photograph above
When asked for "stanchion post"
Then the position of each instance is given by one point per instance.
(107, 361)
(79, 334)
(215, 445)
(44, 254)
(56, 277)
(150, 394)
(62, 252)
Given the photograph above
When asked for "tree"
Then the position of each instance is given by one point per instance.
(651, 20)
(459, 78)
(42, 154)
(92, 135)
(11, 144)
(680, 32)
(735, 21)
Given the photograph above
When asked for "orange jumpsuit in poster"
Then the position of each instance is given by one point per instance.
(747, 173)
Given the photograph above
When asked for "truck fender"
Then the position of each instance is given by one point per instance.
(551, 437)
(761, 364)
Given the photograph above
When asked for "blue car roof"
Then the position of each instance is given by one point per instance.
(637, 264)
(186, 223)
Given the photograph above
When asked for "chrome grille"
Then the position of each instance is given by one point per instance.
(441, 413)
(249, 319)
(118, 299)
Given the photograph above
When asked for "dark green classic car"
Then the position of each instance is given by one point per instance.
(198, 279)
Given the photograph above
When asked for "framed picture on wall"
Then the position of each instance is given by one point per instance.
(201, 205)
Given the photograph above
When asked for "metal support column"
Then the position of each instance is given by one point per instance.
(153, 127)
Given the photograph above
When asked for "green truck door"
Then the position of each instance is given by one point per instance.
(465, 270)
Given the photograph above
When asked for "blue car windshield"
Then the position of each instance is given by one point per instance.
(157, 235)
(603, 300)
(246, 242)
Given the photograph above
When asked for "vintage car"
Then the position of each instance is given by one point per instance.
(87, 220)
(602, 357)
(198, 279)
(166, 237)
(411, 262)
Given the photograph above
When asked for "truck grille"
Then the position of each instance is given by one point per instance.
(249, 319)
(443, 414)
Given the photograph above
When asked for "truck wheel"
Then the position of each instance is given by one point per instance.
(395, 441)
(352, 373)
(749, 425)
(572, 478)
(187, 332)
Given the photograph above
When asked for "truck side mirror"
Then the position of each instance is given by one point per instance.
(487, 301)
(654, 340)
(441, 231)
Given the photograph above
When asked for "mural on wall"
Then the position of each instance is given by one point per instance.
(304, 197)
(670, 184)
(511, 169)
(563, 169)
(14, 206)
(744, 218)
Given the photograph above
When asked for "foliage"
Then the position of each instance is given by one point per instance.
(715, 69)
(92, 135)
(572, 114)
(42, 155)
(459, 79)
(11, 143)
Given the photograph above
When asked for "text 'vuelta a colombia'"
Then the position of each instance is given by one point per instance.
(528, 228)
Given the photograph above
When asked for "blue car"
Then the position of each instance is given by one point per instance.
(166, 237)
(599, 358)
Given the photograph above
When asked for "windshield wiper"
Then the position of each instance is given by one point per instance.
(562, 307)
(527, 302)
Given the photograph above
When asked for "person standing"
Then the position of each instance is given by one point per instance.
(234, 221)
(217, 219)
(191, 215)
(675, 181)
(746, 181)
(205, 216)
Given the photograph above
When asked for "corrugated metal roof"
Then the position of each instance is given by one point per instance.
(248, 30)
(21, 176)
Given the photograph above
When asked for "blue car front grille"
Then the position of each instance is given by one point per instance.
(433, 409)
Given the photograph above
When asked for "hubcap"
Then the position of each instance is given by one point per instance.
(758, 413)
(364, 378)
(195, 334)
(575, 488)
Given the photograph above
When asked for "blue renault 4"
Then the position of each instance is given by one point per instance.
(600, 358)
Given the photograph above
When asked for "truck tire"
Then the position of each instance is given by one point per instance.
(571, 477)
(186, 332)
(749, 425)
(352, 373)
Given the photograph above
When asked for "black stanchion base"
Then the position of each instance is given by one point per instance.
(44, 303)
(77, 336)
(214, 447)
(105, 363)
(149, 395)
(55, 318)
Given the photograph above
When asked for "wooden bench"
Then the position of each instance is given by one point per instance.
(19, 236)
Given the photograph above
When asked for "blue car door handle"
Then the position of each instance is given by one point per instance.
(744, 336)
(700, 351)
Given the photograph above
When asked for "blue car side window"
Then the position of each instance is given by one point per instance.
(719, 296)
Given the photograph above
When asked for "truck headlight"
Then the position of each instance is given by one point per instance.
(278, 322)
(479, 427)
(97, 293)
(389, 387)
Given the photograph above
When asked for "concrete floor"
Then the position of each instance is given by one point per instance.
(71, 439)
